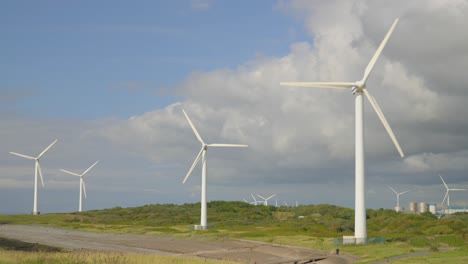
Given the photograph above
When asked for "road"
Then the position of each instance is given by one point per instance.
(228, 249)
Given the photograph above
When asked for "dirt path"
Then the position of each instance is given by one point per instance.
(235, 250)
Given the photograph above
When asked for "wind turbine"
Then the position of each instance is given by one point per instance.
(447, 195)
(202, 156)
(255, 200)
(82, 183)
(252, 203)
(358, 88)
(265, 200)
(397, 198)
(37, 168)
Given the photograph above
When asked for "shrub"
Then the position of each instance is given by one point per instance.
(420, 241)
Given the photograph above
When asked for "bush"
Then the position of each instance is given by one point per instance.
(438, 230)
(420, 241)
(452, 241)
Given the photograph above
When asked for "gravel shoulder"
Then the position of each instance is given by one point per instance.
(234, 250)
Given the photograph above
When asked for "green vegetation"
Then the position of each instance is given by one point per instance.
(86, 257)
(404, 233)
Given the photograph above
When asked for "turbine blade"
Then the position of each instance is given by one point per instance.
(253, 198)
(23, 156)
(72, 173)
(45, 150)
(332, 85)
(382, 118)
(228, 145)
(457, 189)
(261, 196)
(393, 190)
(197, 159)
(86, 171)
(270, 197)
(193, 128)
(404, 192)
(245, 200)
(377, 53)
(40, 172)
(443, 182)
(84, 187)
(445, 197)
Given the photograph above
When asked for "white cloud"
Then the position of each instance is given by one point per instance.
(201, 5)
(299, 139)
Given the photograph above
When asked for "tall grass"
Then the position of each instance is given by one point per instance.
(16, 257)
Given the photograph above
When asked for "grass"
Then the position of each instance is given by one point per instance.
(404, 233)
(456, 256)
(15, 257)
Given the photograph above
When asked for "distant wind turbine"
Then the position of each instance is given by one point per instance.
(202, 156)
(447, 194)
(37, 169)
(358, 88)
(265, 200)
(255, 200)
(82, 183)
(397, 198)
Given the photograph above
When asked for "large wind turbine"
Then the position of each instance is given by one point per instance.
(265, 200)
(37, 168)
(397, 198)
(202, 156)
(447, 195)
(358, 88)
(82, 183)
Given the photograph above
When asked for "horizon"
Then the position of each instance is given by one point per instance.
(109, 80)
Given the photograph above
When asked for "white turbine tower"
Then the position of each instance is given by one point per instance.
(397, 208)
(447, 195)
(82, 183)
(265, 200)
(358, 88)
(37, 169)
(202, 156)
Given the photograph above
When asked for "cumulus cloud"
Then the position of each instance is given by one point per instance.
(302, 139)
(311, 130)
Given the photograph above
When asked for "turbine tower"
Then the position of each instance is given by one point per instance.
(447, 195)
(202, 156)
(82, 183)
(397, 208)
(358, 88)
(37, 169)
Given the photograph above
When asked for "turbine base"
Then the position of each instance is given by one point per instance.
(200, 227)
(352, 240)
(36, 213)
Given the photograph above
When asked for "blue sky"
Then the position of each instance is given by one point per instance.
(93, 59)
(109, 80)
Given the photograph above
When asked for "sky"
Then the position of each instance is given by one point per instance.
(109, 80)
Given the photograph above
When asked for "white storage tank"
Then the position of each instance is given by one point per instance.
(423, 207)
(432, 208)
(413, 207)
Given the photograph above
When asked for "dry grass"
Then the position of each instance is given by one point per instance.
(87, 257)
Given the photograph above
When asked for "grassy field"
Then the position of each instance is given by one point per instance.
(404, 233)
(16, 257)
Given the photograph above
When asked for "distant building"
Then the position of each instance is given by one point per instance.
(423, 207)
(413, 207)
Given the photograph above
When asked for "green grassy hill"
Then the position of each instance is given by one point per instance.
(318, 220)
(404, 233)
